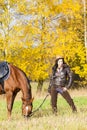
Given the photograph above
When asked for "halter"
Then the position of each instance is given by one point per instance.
(26, 105)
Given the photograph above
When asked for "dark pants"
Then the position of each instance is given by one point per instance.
(66, 96)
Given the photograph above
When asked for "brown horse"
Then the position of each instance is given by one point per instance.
(14, 82)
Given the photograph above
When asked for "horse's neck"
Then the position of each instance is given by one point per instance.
(23, 82)
(26, 93)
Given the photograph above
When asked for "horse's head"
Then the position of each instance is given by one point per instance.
(27, 107)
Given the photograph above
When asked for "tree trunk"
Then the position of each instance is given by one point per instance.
(40, 85)
(85, 26)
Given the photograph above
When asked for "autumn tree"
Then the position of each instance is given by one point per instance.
(38, 30)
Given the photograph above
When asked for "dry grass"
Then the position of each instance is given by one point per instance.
(44, 119)
(51, 122)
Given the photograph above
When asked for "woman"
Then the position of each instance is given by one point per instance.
(60, 81)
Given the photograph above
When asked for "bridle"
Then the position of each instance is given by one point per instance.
(26, 104)
(26, 100)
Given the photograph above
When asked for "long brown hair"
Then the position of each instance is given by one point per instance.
(54, 68)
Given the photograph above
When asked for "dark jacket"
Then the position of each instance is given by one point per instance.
(62, 78)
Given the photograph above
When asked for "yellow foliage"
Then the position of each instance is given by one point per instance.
(53, 28)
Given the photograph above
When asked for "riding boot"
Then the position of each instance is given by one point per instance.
(68, 98)
(54, 100)
(73, 106)
(55, 110)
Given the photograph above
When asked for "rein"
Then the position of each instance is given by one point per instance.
(39, 106)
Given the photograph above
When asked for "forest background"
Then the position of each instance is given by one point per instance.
(34, 32)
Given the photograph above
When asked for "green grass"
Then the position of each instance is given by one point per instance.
(44, 119)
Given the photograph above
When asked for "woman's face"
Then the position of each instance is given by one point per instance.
(60, 63)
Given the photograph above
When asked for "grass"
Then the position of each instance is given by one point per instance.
(44, 119)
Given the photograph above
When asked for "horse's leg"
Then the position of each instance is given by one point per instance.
(10, 100)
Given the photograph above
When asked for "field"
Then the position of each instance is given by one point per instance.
(44, 119)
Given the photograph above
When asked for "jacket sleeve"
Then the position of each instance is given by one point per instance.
(70, 78)
(51, 80)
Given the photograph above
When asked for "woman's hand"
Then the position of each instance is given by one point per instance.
(64, 89)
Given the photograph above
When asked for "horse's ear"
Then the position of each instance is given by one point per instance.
(32, 99)
(23, 99)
